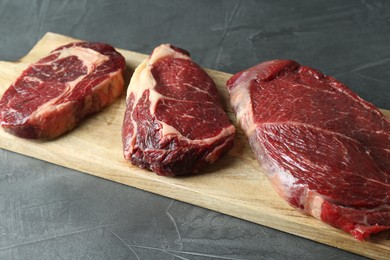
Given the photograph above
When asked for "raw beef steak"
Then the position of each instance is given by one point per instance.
(325, 150)
(52, 95)
(174, 122)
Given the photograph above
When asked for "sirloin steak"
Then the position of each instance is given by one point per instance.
(54, 94)
(324, 149)
(174, 122)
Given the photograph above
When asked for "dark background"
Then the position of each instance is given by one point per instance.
(49, 212)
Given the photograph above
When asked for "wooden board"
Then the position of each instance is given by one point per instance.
(234, 185)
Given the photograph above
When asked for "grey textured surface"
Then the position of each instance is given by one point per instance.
(49, 212)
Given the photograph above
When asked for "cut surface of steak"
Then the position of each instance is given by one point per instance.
(53, 94)
(324, 149)
(174, 122)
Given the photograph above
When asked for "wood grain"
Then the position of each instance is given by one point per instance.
(234, 185)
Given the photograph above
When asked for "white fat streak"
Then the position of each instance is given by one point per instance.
(315, 208)
(139, 82)
(46, 109)
(90, 58)
(242, 104)
(32, 79)
(285, 185)
(143, 80)
(213, 155)
(165, 50)
(282, 181)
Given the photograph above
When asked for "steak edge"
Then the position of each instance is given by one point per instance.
(174, 122)
(325, 150)
(55, 93)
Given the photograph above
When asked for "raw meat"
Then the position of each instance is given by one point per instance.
(52, 95)
(324, 149)
(174, 122)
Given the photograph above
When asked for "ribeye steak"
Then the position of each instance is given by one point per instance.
(174, 122)
(325, 150)
(52, 95)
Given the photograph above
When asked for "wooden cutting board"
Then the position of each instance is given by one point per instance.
(234, 185)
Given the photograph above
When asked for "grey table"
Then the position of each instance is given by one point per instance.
(49, 212)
